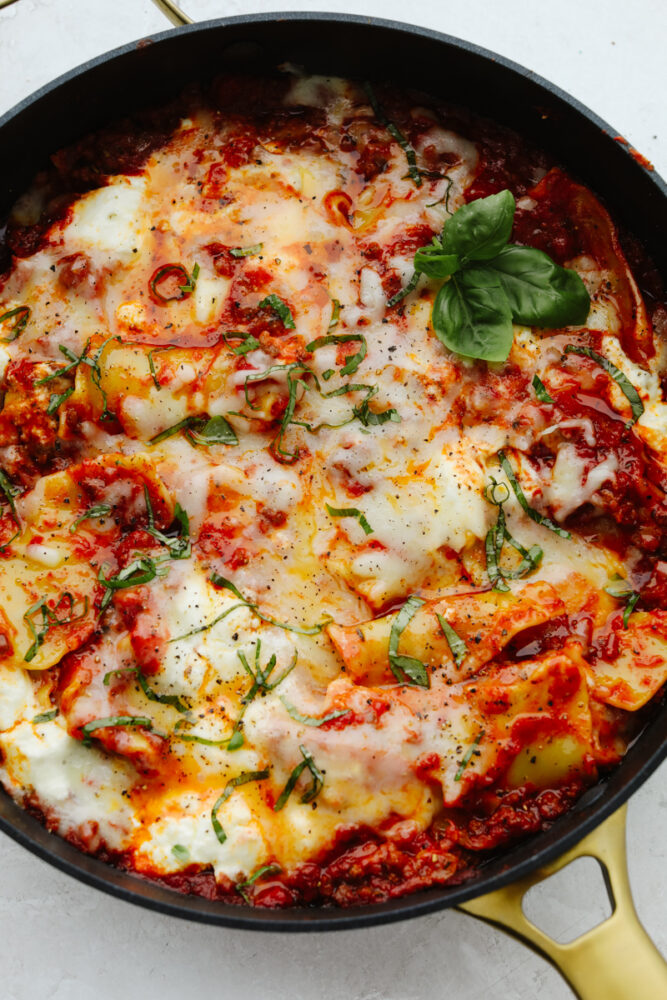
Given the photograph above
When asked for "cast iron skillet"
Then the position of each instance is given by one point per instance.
(153, 70)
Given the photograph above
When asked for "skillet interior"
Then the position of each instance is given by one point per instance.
(151, 72)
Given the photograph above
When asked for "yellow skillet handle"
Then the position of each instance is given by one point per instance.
(173, 12)
(615, 960)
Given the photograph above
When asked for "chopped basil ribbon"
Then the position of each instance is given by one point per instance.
(533, 514)
(413, 170)
(406, 669)
(186, 288)
(220, 581)
(200, 430)
(280, 308)
(468, 755)
(247, 251)
(75, 360)
(311, 720)
(180, 853)
(50, 619)
(57, 399)
(315, 788)
(97, 510)
(410, 287)
(454, 641)
(22, 314)
(164, 699)
(488, 282)
(179, 547)
(372, 418)
(540, 390)
(248, 342)
(351, 512)
(621, 380)
(335, 315)
(114, 721)
(445, 196)
(496, 537)
(241, 779)
(140, 570)
(260, 684)
(260, 873)
(619, 588)
(353, 360)
(45, 717)
(151, 363)
(10, 492)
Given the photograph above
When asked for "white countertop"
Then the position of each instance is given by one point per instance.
(63, 941)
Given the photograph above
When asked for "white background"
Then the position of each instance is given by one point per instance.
(63, 941)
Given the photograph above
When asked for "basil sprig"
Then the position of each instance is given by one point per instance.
(621, 380)
(490, 282)
(316, 784)
(406, 669)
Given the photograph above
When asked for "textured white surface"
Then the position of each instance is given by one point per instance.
(63, 941)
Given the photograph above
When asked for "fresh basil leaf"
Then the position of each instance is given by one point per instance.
(480, 229)
(406, 669)
(434, 262)
(471, 316)
(621, 380)
(311, 720)
(468, 755)
(280, 308)
(539, 291)
(540, 390)
(216, 430)
(533, 514)
(241, 779)
(454, 641)
(350, 512)
(45, 717)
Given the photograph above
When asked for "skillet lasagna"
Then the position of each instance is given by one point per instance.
(333, 470)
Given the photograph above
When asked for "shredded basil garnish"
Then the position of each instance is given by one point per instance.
(260, 873)
(97, 510)
(163, 699)
(353, 360)
(22, 314)
(406, 669)
(221, 581)
(248, 342)
(140, 570)
(280, 308)
(371, 418)
(350, 512)
(114, 721)
(151, 363)
(178, 547)
(413, 170)
(45, 717)
(533, 514)
(316, 785)
(180, 853)
(201, 430)
(630, 607)
(247, 251)
(311, 720)
(621, 380)
(619, 588)
(497, 535)
(241, 779)
(10, 492)
(410, 287)
(176, 271)
(260, 685)
(50, 619)
(445, 196)
(335, 315)
(540, 390)
(468, 755)
(57, 399)
(454, 641)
